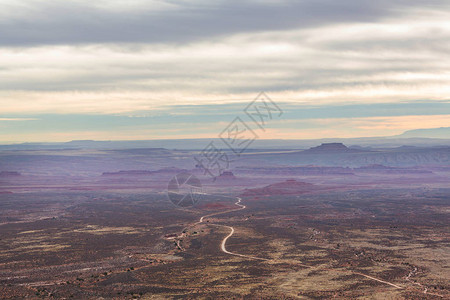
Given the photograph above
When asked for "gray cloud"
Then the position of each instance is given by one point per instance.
(68, 22)
(100, 57)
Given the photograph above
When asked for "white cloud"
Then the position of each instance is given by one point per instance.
(395, 58)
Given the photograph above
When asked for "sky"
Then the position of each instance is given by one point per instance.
(118, 70)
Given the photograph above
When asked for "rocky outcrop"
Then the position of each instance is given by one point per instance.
(331, 148)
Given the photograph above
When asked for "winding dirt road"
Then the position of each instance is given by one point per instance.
(225, 239)
(223, 247)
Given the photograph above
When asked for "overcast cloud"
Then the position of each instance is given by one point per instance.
(43, 22)
(114, 57)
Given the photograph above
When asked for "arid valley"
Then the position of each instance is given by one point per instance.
(266, 231)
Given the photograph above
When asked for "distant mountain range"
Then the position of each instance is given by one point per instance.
(337, 154)
(434, 133)
(417, 138)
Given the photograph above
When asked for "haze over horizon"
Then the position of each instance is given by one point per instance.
(109, 70)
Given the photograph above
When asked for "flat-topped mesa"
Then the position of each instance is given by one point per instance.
(330, 148)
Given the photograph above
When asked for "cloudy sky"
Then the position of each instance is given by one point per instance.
(136, 69)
